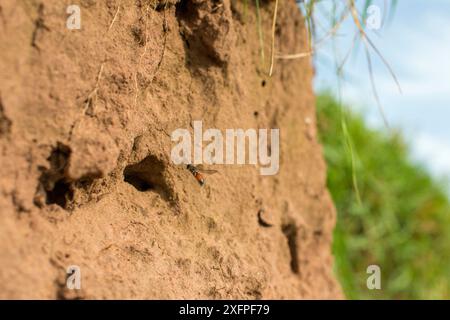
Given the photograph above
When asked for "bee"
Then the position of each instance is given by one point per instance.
(197, 173)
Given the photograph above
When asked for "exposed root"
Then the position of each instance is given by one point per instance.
(88, 102)
(272, 50)
(115, 17)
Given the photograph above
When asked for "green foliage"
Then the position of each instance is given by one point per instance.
(402, 223)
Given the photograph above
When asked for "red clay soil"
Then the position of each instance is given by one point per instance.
(85, 114)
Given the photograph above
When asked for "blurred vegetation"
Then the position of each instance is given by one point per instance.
(402, 222)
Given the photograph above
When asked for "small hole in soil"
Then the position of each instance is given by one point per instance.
(263, 83)
(53, 185)
(138, 35)
(146, 175)
(161, 6)
(290, 232)
(61, 194)
(182, 8)
(137, 182)
(256, 113)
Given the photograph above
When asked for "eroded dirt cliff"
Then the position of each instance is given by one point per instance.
(86, 177)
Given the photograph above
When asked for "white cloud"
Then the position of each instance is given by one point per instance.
(434, 152)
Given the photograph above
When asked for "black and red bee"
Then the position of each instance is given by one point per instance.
(197, 173)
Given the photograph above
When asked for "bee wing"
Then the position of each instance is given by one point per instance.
(208, 171)
(205, 171)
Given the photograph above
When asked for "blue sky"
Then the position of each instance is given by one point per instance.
(416, 43)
